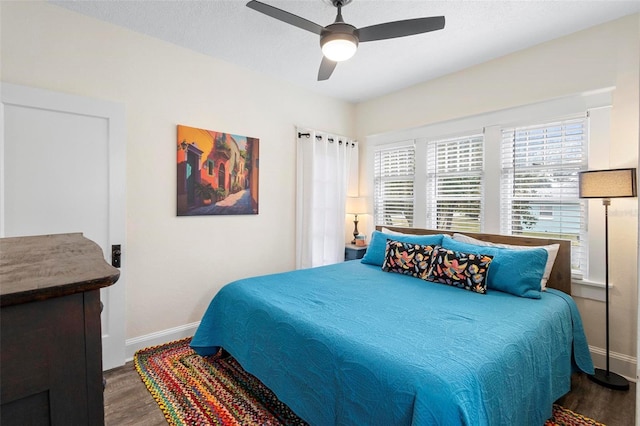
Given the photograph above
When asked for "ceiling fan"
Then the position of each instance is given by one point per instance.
(339, 41)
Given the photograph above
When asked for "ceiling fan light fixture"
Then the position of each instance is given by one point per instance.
(339, 41)
(339, 47)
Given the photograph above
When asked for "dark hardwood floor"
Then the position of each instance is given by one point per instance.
(611, 407)
(127, 401)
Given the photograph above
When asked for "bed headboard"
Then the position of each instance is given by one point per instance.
(560, 278)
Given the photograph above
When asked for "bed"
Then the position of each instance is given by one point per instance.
(355, 344)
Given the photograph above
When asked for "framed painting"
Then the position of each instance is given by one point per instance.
(217, 173)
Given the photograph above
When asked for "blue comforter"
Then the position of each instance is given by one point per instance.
(350, 344)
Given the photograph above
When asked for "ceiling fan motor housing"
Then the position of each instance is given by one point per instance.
(337, 2)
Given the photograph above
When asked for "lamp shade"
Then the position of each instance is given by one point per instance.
(356, 205)
(607, 183)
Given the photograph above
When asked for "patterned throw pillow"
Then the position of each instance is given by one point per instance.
(458, 269)
(407, 258)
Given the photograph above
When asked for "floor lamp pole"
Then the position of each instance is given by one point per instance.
(606, 202)
(605, 377)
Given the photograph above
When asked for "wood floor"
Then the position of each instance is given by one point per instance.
(611, 407)
(127, 401)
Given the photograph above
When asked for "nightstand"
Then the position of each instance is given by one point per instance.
(352, 251)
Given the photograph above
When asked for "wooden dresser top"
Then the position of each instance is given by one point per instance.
(46, 266)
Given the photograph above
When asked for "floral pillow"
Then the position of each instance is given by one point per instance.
(458, 269)
(407, 258)
(518, 272)
(375, 253)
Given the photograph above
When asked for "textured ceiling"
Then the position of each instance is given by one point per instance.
(475, 32)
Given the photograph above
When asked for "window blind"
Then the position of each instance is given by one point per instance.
(455, 183)
(539, 183)
(394, 169)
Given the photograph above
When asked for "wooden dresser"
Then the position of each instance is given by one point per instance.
(50, 338)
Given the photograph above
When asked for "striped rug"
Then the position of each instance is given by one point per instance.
(215, 390)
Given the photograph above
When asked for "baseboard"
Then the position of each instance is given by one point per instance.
(621, 364)
(158, 338)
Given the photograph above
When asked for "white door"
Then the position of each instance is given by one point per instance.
(63, 170)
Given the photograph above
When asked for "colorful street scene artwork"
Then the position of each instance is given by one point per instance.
(217, 173)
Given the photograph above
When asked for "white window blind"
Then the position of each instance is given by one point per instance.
(455, 183)
(539, 183)
(393, 185)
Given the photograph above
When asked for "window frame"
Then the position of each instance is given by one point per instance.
(529, 148)
(437, 174)
(596, 103)
(384, 216)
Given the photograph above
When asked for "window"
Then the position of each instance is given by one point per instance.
(545, 213)
(527, 181)
(394, 169)
(536, 173)
(454, 183)
(539, 183)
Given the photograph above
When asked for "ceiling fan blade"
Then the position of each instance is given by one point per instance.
(326, 69)
(401, 28)
(284, 16)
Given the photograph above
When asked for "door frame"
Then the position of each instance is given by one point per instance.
(113, 343)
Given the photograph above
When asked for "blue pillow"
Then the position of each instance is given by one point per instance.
(512, 271)
(375, 252)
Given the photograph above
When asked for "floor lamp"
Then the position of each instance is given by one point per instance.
(607, 184)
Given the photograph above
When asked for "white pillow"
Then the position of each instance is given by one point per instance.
(390, 232)
(552, 252)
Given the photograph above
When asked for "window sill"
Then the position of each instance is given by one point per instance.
(589, 289)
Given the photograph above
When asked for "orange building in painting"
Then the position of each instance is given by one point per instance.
(214, 165)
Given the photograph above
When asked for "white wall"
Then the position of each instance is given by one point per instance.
(174, 264)
(603, 56)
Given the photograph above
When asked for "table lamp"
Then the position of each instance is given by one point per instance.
(356, 206)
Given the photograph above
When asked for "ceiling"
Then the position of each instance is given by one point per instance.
(475, 32)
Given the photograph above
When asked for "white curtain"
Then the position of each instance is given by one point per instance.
(323, 172)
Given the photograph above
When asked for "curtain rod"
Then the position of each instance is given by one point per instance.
(319, 137)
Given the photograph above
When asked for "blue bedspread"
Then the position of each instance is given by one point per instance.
(349, 344)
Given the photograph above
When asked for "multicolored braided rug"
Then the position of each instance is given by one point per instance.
(563, 417)
(215, 390)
